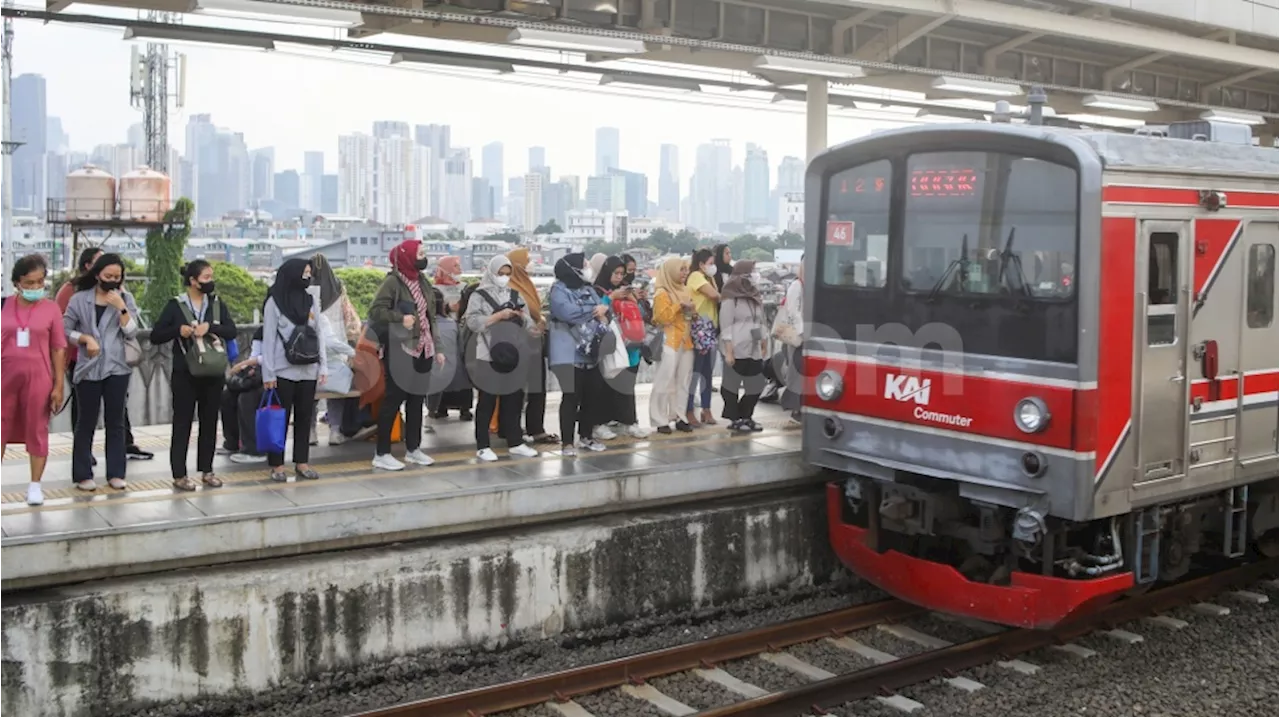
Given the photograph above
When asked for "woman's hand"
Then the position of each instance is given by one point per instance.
(324, 378)
(408, 321)
(268, 385)
(91, 347)
(686, 305)
(618, 294)
(187, 330)
(115, 299)
(728, 356)
(601, 311)
(202, 329)
(440, 359)
(55, 400)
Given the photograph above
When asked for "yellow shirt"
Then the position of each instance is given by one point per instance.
(669, 316)
(705, 306)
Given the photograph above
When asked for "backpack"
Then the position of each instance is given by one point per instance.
(630, 320)
(205, 355)
(504, 356)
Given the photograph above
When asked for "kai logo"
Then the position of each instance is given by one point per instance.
(907, 388)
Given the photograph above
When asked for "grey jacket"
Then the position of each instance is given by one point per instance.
(276, 329)
(81, 318)
(742, 325)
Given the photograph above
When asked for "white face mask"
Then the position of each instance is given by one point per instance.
(503, 281)
(588, 275)
(710, 270)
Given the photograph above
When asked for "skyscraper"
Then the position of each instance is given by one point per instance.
(608, 150)
(436, 137)
(711, 188)
(356, 156)
(386, 180)
(29, 125)
(456, 193)
(537, 159)
(607, 193)
(262, 174)
(790, 181)
(492, 171)
(669, 182)
(635, 191)
(329, 194)
(312, 180)
(755, 186)
(387, 129)
(287, 188)
(533, 182)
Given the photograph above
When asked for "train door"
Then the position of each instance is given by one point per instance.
(1164, 271)
(1259, 349)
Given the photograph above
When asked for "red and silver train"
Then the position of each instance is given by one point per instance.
(1044, 361)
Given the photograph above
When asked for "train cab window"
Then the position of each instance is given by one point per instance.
(1162, 288)
(855, 250)
(1261, 302)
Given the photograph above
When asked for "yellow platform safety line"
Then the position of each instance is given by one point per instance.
(349, 471)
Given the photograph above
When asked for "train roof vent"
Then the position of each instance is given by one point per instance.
(1212, 131)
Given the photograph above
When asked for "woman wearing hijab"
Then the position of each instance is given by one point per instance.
(402, 316)
(672, 312)
(448, 279)
(574, 305)
(789, 329)
(535, 409)
(744, 341)
(498, 318)
(620, 391)
(289, 305)
(343, 414)
(450, 386)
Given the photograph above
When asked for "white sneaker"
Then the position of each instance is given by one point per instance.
(592, 445)
(417, 456)
(603, 433)
(635, 430)
(35, 495)
(246, 458)
(487, 455)
(522, 451)
(387, 462)
(336, 438)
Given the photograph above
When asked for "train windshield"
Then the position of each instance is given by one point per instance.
(985, 223)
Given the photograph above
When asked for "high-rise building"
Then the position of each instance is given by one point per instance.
(117, 159)
(137, 136)
(29, 125)
(515, 201)
(537, 159)
(312, 180)
(483, 198)
(533, 183)
(386, 129)
(711, 187)
(607, 193)
(790, 182)
(262, 164)
(288, 188)
(220, 168)
(755, 187)
(492, 171)
(56, 139)
(608, 150)
(635, 192)
(329, 194)
(357, 155)
(436, 137)
(669, 182)
(456, 193)
(384, 180)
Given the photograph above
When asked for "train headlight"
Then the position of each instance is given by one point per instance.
(829, 385)
(1031, 415)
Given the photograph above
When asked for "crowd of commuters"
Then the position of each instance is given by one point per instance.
(431, 343)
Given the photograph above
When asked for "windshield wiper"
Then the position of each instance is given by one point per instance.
(1008, 258)
(962, 263)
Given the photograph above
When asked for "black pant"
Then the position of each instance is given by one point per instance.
(75, 411)
(298, 398)
(747, 375)
(239, 422)
(93, 395)
(535, 410)
(192, 395)
(577, 401)
(412, 417)
(508, 405)
(622, 397)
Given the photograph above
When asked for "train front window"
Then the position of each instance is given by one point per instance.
(989, 224)
(855, 250)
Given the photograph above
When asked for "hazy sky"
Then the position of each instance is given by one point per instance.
(297, 103)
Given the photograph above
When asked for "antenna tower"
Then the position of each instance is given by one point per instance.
(149, 91)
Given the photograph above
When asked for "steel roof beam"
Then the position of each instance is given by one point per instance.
(991, 53)
(1109, 77)
(840, 27)
(1208, 89)
(890, 41)
(1082, 28)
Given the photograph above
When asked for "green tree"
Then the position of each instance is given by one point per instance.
(242, 293)
(165, 247)
(757, 254)
(790, 240)
(361, 285)
(550, 227)
(135, 277)
(686, 242)
(509, 237)
(660, 240)
(606, 248)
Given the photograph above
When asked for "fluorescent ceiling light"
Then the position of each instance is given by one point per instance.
(1120, 104)
(477, 63)
(1237, 117)
(977, 87)
(676, 83)
(1106, 120)
(277, 12)
(576, 42)
(204, 37)
(838, 70)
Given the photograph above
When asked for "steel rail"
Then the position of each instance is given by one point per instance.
(634, 668)
(830, 693)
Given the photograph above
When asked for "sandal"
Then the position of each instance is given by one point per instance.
(308, 474)
(117, 483)
(212, 480)
(547, 439)
(279, 476)
(184, 483)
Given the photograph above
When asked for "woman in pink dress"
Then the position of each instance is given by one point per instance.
(33, 356)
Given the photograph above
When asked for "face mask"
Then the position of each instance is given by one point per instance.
(306, 281)
(33, 294)
(629, 279)
(420, 264)
(109, 285)
(206, 287)
(503, 281)
(588, 275)
(456, 277)
(709, 270)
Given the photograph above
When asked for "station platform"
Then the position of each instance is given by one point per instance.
(150, 527)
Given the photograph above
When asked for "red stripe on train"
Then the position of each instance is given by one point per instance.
(971, 405)
(1185, 197)
(1213, 241)
(1115, 334)
(1227, 386)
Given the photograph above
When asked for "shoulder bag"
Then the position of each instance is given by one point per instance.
(205, 355)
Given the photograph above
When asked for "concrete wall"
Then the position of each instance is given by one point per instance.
(105, 647)
(1259, 17)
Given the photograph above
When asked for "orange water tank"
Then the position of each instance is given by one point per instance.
(144, 195)
(91, 194)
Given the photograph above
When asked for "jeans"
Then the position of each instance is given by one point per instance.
(747, 376)
(192, 395)
(110, 393)
(703, 366)
(508, 405)
(298, 398)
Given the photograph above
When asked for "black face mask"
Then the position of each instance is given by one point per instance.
(306, 281)
(420, 264)
(629, 278)
(206, 287)
(109, 285)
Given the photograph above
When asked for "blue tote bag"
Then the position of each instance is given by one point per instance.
(270, 423)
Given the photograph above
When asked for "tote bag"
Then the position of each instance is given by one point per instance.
(617, 360)
(270, 423)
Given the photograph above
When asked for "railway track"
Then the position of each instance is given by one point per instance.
(940, 659)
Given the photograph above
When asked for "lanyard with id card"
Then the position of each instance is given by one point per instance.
(24, 332)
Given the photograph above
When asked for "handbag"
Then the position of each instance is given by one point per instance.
(617, 360)
(248, 378)
(132, 352)
(205, 356)
(270, 424)
(704, 334)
